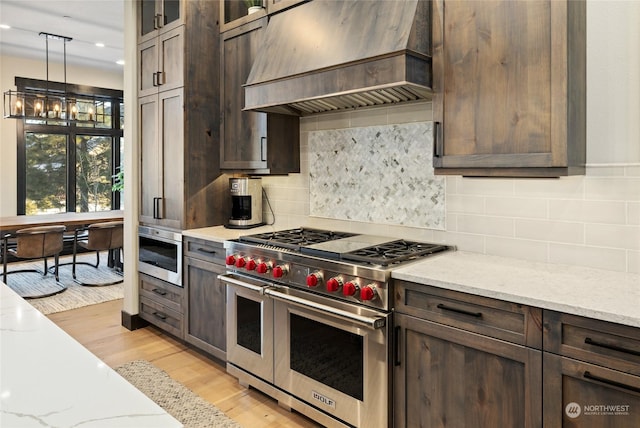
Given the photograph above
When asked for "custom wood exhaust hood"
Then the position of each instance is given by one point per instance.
(334, 55)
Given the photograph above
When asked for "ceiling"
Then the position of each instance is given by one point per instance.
(87, 22)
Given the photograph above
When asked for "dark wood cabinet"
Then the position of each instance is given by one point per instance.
(252, 142)
(591, 373)
(161, 304)
(182, 186)
(466, 361)
(205, 312)
(509, 82)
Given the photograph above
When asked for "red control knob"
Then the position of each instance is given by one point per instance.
(334, 284)
(240, 262)
(349, 289)
(279, 271)
(262, 268)
(251, 264)
(230, 260)
(367, 293)
(313, 279)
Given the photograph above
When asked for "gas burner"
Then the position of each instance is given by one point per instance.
(295, 238)
(393, 252)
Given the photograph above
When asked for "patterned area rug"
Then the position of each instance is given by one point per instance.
(180, 402)
(76, 296)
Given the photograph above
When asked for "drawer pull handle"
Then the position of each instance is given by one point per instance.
(590, 341)
(397, 349)
(588, 375)
(160, 315)
(459, 311)
(204, 250)
(160, 292)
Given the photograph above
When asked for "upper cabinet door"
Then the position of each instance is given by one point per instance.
(158, 16)
(509, 81)
(161, 63)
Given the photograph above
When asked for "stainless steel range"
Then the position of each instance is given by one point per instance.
(309, 320)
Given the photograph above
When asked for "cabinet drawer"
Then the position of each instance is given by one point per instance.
(164, 293)
(599, 342)
(209, 251)
(494, 318)
(161, 316)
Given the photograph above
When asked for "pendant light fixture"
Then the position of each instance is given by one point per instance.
(52, 104)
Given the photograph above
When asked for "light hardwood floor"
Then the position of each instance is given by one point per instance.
(99, 329)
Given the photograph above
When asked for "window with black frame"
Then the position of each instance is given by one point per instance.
(69, 166)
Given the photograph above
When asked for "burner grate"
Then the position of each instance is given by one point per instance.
(393, 252)
(295, 238)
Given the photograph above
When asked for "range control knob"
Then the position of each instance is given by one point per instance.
(230, 260)
(263, 267)
(240, 262)
(349, 288)
(368, 292)
(314, 279)
(280, 271)
(251, 264)
(334, 284)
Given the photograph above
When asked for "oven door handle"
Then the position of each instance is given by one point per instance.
(230, 279)
(372, 323)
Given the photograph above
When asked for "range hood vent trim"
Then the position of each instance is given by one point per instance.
(400, 74)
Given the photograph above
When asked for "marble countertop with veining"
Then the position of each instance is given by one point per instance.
(594, 293)
(221, 233)
(48, 379)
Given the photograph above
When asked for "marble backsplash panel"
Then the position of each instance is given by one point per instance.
(377, 174)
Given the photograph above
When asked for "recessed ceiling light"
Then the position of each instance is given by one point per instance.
(100, 45)
(120, 62)
(5, 26)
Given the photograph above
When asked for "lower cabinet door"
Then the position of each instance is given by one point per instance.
(205, 316)
(579, 394)
(445, 376)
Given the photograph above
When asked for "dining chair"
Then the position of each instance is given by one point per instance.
(39, 242)
(105, 236)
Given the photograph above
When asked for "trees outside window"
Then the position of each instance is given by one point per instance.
(69, 166)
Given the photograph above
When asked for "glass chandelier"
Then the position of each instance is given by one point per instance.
(52, 105)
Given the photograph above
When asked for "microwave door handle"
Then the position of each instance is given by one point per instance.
(229, 279)
(372, 323)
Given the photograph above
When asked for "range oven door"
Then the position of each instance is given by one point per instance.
(249, 326)
(333, 355)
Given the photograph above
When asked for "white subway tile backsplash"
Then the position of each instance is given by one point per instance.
(484, 186)
(517, 248)
(485, 225)
(466, 242)
(370, 117)
(552, 231)
(412, 112)
(328, 121)
(633, 261)
(465, 204)
(611, 212)
(563, 187)
(613, 236)
(595, 257)
(633, 213)
(516, 207)
(612, 189)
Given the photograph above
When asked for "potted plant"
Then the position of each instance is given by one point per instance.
(253, 5)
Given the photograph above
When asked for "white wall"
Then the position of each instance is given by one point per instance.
(10, 67)
(591, 220)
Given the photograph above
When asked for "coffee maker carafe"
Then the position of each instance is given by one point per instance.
(246, 202)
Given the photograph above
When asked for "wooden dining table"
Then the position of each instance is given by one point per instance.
(71, 220)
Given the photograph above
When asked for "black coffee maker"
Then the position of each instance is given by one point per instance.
(246, 202)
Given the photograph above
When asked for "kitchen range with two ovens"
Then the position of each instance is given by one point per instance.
(309, 320)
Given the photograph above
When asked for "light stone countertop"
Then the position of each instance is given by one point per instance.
(48, 379)
(594, 293)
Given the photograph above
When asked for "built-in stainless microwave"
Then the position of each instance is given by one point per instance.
(160, 254)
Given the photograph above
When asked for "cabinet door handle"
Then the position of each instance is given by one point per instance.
(160, 315)
(590, 341)
(160, 79)
(437, 140)
(588, 375)
(263, 148)
(160, 292)
(155, 208)
(154, 80)
(459, 311)
(204, 250)
(397, 352)
(158, 21)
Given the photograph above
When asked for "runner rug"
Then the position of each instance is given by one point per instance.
(76, 295)
(180, 402)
